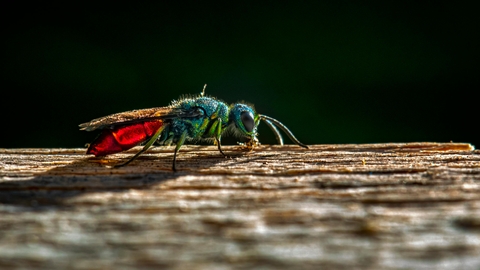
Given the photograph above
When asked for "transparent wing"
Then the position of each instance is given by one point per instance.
(135, 116)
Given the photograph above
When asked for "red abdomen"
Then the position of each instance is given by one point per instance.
(122, 138)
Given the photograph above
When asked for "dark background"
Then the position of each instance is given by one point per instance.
(343, 72)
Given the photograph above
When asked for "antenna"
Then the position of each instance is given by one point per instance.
(203, 91)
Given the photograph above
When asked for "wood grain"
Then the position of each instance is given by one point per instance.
(371, 206)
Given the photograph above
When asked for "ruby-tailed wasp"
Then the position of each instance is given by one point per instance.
(188, 119)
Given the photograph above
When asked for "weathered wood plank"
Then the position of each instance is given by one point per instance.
(384, 206)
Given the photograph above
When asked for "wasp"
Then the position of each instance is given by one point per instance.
(189, 119)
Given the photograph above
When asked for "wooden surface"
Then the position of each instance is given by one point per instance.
(379, 206)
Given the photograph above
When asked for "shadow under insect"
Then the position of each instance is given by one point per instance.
(53, 188)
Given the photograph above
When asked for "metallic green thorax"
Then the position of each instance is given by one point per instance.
(211, 123)
(207, 118)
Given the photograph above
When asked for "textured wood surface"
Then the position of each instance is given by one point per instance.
(378, 206)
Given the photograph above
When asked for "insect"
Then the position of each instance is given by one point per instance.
(188, 119)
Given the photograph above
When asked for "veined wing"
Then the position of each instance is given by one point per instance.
(136, 116)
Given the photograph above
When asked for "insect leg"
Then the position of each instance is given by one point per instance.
(145, 148)
(218, 136)
(213, 128)
(284, 128)
(179, 144)
(163, 137)
(168, 141)
(275, 131)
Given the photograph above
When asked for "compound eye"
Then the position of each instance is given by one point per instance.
(248, 121)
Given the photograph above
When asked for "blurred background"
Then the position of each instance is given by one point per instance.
(343, 72)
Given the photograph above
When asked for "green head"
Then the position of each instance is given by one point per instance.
(245, 122)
